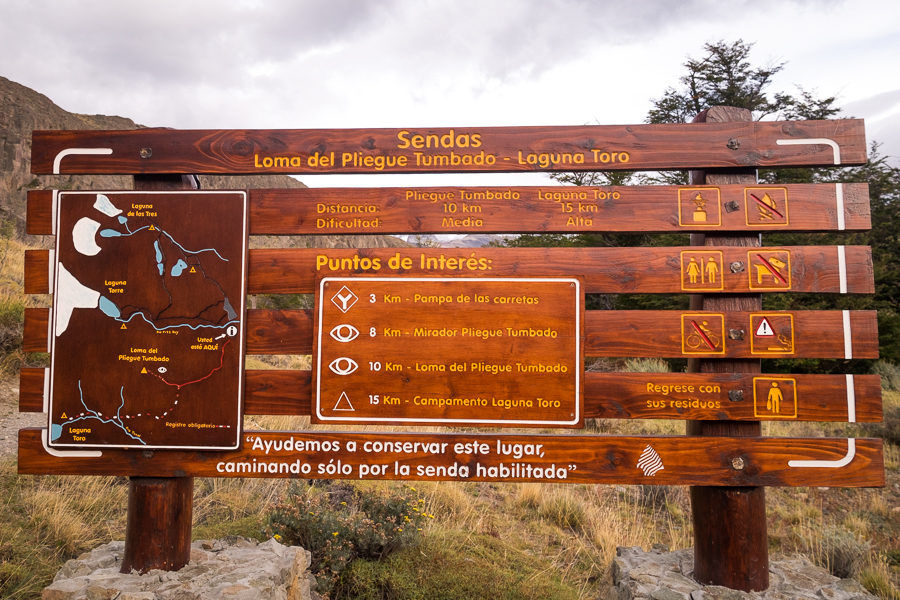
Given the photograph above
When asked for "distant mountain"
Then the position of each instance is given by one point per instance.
(23, 110)
(468, 240)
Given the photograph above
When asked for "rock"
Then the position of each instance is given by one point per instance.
(660, 575)
(230, 569)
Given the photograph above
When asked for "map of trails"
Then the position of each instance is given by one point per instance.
(148, 320)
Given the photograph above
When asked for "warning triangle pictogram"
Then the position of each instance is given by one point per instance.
(765, 329)
(343, 403)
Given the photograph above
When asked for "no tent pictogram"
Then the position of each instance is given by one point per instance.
(766, 206)
(699, 207)
(703, 333)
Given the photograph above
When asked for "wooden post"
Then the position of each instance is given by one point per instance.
(158, 532)
(730, 537)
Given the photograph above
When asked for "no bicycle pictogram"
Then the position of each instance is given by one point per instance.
(703, 333)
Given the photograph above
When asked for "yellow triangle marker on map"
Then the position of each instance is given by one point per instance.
(193, 270)
(152, 228)
(144, 370)
(63, 416)
(123, 326)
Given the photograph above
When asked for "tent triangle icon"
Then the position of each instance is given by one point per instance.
(343, 403)
(765, 329)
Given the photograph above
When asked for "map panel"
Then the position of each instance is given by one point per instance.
(147, 331)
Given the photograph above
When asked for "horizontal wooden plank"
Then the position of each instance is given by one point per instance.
(560, 209)
(693, 396)
(39, 212)
(706, 334)
(330, 211)
(35, 333)
(673, 460)
(605, 270)
(458, 149)
(712, 269)
(31, 389)
(617, 333)
(38, 265)
(733, 396)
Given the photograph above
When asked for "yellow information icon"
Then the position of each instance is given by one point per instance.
(771, 334)
(699, 207)
(701, 270)
(775, 397)
(703, 334)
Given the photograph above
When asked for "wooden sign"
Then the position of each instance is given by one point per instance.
(337, 211)
(828, 269)
(460, 351)
(733, 396)
(605, 270)
(458, 149)
(148, 321)
(693, 334)
(683, 396)
(671, 460)
(639, 333)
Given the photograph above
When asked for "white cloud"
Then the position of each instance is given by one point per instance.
(345, 63)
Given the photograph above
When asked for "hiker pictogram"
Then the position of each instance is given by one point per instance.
(775, 397)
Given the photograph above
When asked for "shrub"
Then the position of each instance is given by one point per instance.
(840, 551)
(890, 375)
(339, 523)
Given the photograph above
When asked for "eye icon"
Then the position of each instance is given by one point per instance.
(344, 332)
(343, 366)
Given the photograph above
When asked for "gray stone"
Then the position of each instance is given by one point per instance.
(230, 569)
(660, 575)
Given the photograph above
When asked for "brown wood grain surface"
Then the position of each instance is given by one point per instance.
(717, 269)
(700, 396)
(457, 149)
(634, 333)
(330, 211)
(647, 460)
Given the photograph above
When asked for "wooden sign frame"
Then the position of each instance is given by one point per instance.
(452, 150)
(541, 209)
(587, 459)
(151, 339)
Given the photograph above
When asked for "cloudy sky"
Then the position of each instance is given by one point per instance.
(419, 63)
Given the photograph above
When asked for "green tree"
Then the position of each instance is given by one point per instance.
(725, 75)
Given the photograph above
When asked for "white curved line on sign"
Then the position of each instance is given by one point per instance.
(827, 464)
(808, 141)
(70, 151)
(68, 454)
